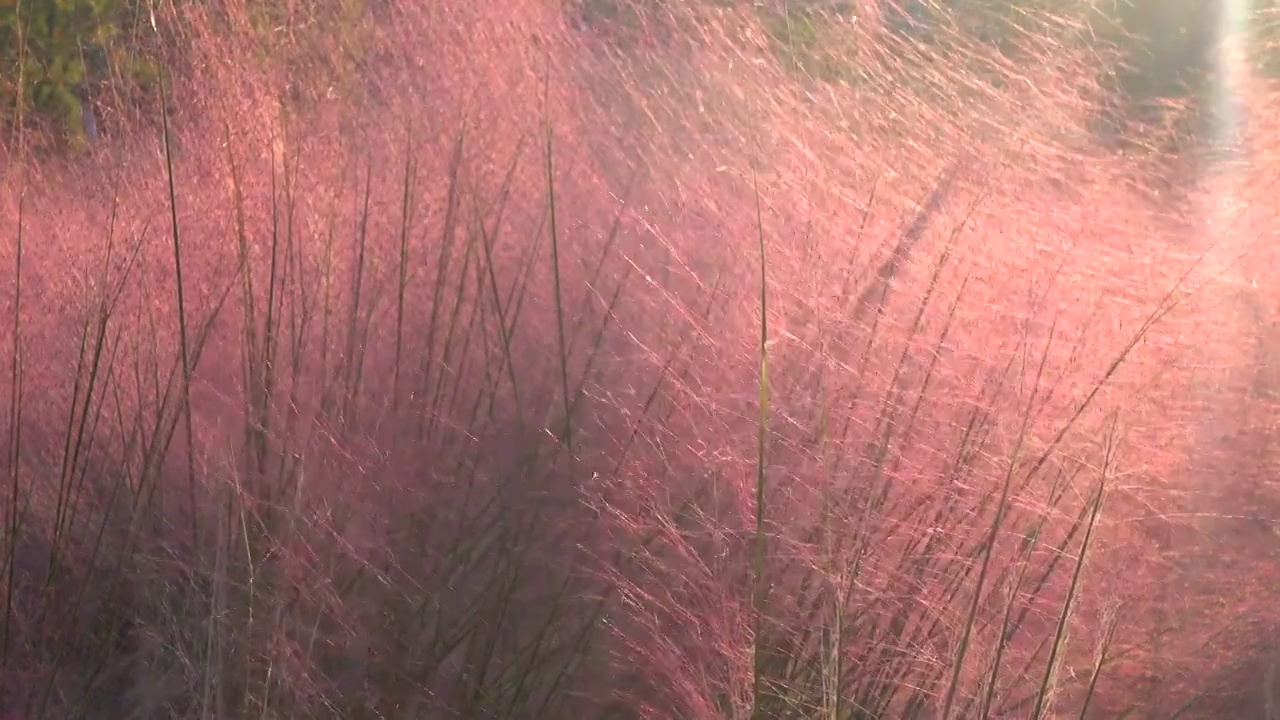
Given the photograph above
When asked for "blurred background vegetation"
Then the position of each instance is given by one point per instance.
(49, 51)
(64, 62)
(57, 57)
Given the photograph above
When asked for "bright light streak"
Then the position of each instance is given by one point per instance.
(1227, 119)
(1231, 79)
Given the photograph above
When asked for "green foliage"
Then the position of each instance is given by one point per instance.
(1264, 32)
(796, 34)
(46, 52)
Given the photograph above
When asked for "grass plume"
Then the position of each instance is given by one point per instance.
(787, 388)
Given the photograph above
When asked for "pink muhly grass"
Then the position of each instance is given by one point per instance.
(519, 372)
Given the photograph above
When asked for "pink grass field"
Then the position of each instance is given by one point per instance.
(460, 412)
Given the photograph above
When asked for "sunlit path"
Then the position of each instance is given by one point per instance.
(1225, 548)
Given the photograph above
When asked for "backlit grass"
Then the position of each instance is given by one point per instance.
(549, 378)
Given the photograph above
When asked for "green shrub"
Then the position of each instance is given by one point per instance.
(48, 51)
